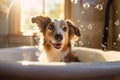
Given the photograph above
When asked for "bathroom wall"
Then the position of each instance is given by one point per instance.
(116, 24)
(3, 25)
(89, 16)
(14, 18)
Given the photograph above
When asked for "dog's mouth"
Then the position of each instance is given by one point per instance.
(57, 45)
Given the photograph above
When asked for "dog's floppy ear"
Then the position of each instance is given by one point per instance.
(41, 21)
(33, 20)
(74, 30)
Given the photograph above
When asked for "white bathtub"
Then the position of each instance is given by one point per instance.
(21, 64)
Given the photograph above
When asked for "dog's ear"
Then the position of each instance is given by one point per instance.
(33, 20)
(74, 30)
(41, 21)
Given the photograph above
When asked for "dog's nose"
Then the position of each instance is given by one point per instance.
(58, 37)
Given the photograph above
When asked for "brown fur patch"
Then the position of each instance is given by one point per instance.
(47, 46)
(71, 57)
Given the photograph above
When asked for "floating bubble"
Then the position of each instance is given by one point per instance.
(81, 43)
(81, 26)
(82, 12)
(74, 1)
(117, 22)
(118, 39)
(116, 12)
(115, 45)
(78, 20)
(103, 46)
(110, 21)
(90, 26)
(106, 28)
(88, 42)
(99, 7)
(86, 5)
(99, 31)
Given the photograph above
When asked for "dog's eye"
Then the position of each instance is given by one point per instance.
(65, 28)
(50, 27)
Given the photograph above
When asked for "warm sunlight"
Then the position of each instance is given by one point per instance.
(30, 8)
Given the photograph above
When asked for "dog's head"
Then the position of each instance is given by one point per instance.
(57, 33)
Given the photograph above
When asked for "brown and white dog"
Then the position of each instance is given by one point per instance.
(57, 35)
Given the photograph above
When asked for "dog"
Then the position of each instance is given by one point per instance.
(56, 39)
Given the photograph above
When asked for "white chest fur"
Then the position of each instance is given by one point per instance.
(53, 56)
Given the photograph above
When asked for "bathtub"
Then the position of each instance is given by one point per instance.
(21, 63)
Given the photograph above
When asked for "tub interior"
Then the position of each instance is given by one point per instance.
(84, 54)
(21, 63)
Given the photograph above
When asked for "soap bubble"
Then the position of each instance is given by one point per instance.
(82, 12)
(110, 21)
(118, 39)
(88, 42)
(81, 43)
(74, 1)
(99, 7)
(78, 20)
(115, 45)
(106, 28)
(116, 12)
(99, 31)
(86, 5)
(81, 26)
(117, 22)
(103, 46)
(90, 26)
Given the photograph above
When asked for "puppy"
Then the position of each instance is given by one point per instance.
(56, 39)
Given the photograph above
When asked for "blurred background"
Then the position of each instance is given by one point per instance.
(99, 21)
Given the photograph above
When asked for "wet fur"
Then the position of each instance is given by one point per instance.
(48, 52)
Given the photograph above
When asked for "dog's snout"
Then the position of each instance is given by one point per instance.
(58, 37)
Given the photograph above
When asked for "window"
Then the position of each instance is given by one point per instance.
(30, 8)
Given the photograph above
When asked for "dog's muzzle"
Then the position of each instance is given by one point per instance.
(58, 41)
(58, 37)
